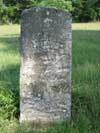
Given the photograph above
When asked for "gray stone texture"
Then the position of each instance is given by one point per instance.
(45, 74)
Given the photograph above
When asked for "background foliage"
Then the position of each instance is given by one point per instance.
(82, 10)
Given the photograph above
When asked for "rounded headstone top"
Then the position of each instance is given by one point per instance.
(48, 10)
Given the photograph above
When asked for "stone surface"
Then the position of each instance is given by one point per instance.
(45, 74)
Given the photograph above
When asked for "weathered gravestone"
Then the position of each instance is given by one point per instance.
(45, 80)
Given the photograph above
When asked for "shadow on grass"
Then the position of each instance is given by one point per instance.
(9, 77)
(86, 47)
(9, 44)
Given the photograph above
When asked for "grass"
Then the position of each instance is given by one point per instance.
(85, 81)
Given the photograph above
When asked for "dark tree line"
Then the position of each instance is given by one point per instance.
(82, 10)
(86, 10)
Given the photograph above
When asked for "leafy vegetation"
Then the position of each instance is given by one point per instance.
(82, 10)
(60, 4)
(86, 10)
(85, 82)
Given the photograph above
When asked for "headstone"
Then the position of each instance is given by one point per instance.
(45, 75)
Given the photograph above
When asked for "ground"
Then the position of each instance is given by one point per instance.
(85, 81)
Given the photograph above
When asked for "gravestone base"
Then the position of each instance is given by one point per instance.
(51, 116)
(45, 74)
